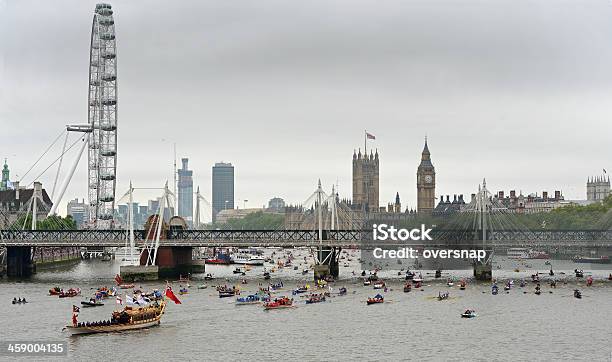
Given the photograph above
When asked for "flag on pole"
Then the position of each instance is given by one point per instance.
(370, 136)
(118, 300)
(605, 170)
(170, 295)
(118, 279)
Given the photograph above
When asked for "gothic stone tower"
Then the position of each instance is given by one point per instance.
(426, 183)
(365, 181)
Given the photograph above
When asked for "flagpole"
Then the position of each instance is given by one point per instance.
(365, 142)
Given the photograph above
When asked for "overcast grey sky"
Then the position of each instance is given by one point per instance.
(518, 92)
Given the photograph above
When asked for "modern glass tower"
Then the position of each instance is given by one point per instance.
(222, 187)
(185, 192)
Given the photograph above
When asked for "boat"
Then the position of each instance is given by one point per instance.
(342, 291)
(379, 285)
(469, 313)
(247, 258)
(579, 273)
(19, 301)
(305, 271)
(120, 283)
(315, 298)
(220, 258)
(366, 283)
(92, 302)
(238, 271)
(70, 293)
(55, 291)
(407, 287)
(462, 284)
(449, 283)
(377, 299)
(418, 285)
(183, 291)
(438, 273)
(279, 303)
(577, 294)
(209, 277)
(538, 291)
(604, 259)
(248, 300)
(589, 281)
(128, 319)
(409, 275)
(203, 286)
(494, 289)
(443, 296)
(300, 290)
(226, 293)
(417, 279)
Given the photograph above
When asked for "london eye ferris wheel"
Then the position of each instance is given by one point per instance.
(102, 118)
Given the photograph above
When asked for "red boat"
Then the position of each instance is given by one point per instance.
(377, 299)
(55, 291)
(279, 303)
(70, 293)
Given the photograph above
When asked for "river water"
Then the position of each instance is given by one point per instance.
(518, 325)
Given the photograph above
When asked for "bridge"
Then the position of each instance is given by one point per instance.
(300, 238)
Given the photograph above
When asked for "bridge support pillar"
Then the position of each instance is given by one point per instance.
(328, 266)
(173, 261)
(19, 261)
(483, 271)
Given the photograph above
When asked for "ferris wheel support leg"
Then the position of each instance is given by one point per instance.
(68, 178)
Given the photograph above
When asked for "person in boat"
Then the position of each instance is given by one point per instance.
(551, 273)
(14, 300)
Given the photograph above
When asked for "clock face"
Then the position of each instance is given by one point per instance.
(428, 179)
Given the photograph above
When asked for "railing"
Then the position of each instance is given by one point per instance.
(293, 237)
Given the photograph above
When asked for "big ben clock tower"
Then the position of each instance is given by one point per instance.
(426, 183)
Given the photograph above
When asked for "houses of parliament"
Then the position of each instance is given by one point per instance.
(366, 188)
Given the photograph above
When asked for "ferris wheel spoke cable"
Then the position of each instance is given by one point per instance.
(57, 159)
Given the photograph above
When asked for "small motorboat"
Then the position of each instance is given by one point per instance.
(494, 289)
(248, 300)
(55, 291)
(577, 294)
(366, 283)
(226, 293)
(19, 301)
(377, 299)
(92, 303)
(315, 298)
(589, 281)
(237, 271)
(443, 296)
(579, 273)
(342, 291)
(438, 273)
(379, 285)
(203, 286)
(469, 313)
(462, 284)
(409, 275)
(72, 292)
(407, 287)
(208, 277)
(300, 290)
(449, 283)
(538, 291)
(183, 291)
(266, 275)
(373, 277)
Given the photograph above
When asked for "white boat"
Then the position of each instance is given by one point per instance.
(247, 258)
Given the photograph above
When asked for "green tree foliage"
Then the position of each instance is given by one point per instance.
(254, 221)
(53, 222)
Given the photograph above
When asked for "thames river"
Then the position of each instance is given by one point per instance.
(518, 325)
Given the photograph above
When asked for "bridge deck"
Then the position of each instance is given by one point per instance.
(296, 238)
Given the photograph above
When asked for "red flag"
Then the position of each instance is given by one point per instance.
(170, 295)
(118, 279)
(370, 136)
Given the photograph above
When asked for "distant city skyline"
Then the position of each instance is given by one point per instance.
(518, 93)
